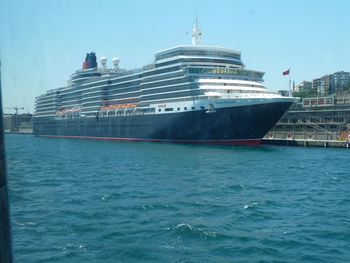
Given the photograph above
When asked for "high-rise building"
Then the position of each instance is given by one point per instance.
(341, 81)
(316, 86)
(327, 85)
(323, 86)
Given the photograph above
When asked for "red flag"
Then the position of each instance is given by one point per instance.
(285, 72)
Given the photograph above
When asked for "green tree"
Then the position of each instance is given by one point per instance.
(303, 94)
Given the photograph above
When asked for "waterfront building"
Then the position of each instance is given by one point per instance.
(18, 123)
(316, 118)
(342, 97)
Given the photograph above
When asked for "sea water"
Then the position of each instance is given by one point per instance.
(95, 201)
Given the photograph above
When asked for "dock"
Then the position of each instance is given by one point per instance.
(306, 143)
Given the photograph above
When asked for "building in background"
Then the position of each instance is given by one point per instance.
(316, 86)
(329, 84)
(18, 123)
(341, 81)
(323, 86)
(304, 87)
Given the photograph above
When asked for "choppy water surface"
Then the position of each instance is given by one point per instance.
(93, 201)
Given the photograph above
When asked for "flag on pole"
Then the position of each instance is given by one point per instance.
(285, 73)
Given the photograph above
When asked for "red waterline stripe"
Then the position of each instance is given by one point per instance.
(248, 142)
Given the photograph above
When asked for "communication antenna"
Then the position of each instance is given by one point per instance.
(115, 62)
(196, 34)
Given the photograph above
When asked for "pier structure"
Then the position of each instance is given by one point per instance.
(323, 121)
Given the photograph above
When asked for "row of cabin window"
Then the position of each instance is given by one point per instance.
(178, 108)
(97, 99)
(197, 53)
(160, 71)
(125, 87)
(196, 60)
(110, 90)
(124, 96)
(136, 78)
(102, 93)
(166, 83)
(173, 95)
(45, 98)
(45, 106)
(112, 87)
(226, 71)
(191, 98)
(114, 84)
(102, 85)
(163, 76)
(167, 89)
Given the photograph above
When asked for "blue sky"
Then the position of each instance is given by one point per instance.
(43, 41)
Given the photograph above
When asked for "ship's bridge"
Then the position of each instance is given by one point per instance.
(200, 54)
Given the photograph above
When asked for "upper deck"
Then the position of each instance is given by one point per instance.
(200, 52)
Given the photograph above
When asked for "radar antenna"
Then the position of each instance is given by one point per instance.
(196, 34)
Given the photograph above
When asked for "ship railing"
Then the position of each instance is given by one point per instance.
(316, 129)
(315, 126)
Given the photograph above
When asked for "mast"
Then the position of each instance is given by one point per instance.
(196, 34)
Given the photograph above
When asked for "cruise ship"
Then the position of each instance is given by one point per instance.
(189, 94)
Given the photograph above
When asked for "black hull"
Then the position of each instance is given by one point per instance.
(235, 125)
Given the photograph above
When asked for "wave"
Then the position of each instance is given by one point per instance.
(251, 205)
(24, 223)
(107, 197)
(187, 230)
(147, 206)
(236, 186)
(255, 204)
